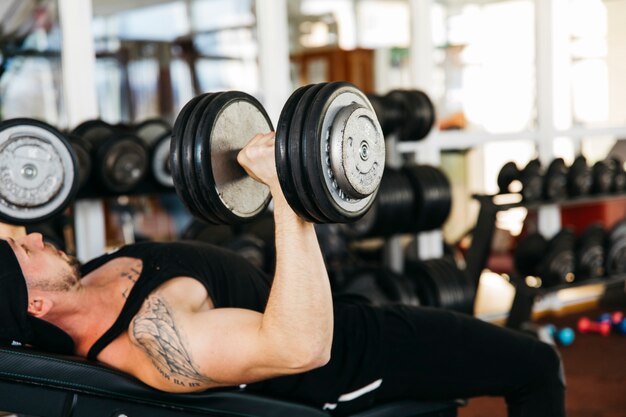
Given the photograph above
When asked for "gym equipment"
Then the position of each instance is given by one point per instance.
(603, 175)
(530, 180)
(329, 154)
(49, 385)
(619, 175)
(590, 253)
(440, 283)
(83, 157)
(555, 180)
(616, 249)
(410, 199)
(613, 318)
(379, 286)
(150, 130)
(38, 171)
(120, 159)
(553, 261)
(408, 113)
(588, 326)
(579, 178)
(160, 160)
(564, 336)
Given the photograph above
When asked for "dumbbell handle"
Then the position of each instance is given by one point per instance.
(588, 326)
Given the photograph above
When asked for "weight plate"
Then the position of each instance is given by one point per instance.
(176, 156)
(228, 123)
(619, 176)
(160, 160)
(94, 131)
(528, 254)
(83, 157)
(122, 162)
(579, 178)
(203, 204)
(616, 249)
(150, 130)
(332, 201)
(38, 171)
(298, 155)
(508, 173)
(590, 253)
(283, 164)
(602, 177)
(356, 163)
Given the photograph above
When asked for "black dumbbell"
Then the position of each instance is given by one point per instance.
(408, 113)
(619, 175)
(616, 249)
(555, 181)
(529, 179)
(603, 175)
(119, 158)
(379, 286)
(579, 178)
(157, 135)
(82, 148)
(552, 261)
(590, 256)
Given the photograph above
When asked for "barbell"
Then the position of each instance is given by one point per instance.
(330, 154)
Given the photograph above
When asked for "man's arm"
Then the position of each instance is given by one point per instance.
(196, 349)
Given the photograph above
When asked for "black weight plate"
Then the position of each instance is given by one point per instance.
(205, 207)
(326, 101)
(422, 115)
(555, 181)
(160, 160)
(122, 162)
(619, 176)
(94, 131)
(529, 252)
(31, 142)
(176, 145)
(228, 123)
(532, 181)
(83, 156)
(298, 155)
(283, 164)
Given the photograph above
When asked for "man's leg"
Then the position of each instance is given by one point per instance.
(435, 355)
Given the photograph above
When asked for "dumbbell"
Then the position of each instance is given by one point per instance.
(379, 286)
(119, 158)
(590, 253)
(553, 261)
(408, 113)
(619, 175)
(83, 157)
(157, 135)
(579, 178)
(330, 154)
(564, 336)
(616, 249)
(614, 318)
(411, 199)
(555, 180)
(38, 171)
(530, 180)
(585, 325)
(603, 174)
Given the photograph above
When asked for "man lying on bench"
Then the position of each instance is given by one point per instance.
(185, 317)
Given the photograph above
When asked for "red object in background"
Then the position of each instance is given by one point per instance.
(607, 213)
(586, 326)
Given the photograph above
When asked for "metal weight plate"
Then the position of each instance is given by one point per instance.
(82, 149)
(150, 130)
(160, 160)
(283, 163)
(94, 131)
(555, 182)
(616, 249)
(201, 202)
(590, 260)
(298, 156)
(176, 146)
(122, 162)
(228, 123)
(38, 171)
(414, 114)
(328, 119)
(433, 196)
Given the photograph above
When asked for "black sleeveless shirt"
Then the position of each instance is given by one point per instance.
(355, 366)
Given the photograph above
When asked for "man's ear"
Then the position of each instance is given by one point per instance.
(39, 306)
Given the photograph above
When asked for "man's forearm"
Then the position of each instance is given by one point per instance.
(299, 312)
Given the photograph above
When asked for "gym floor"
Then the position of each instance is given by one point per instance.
(595, 369)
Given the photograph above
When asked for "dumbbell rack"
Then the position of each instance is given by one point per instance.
(480, 249)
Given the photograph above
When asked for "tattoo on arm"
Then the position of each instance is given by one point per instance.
(155, 331)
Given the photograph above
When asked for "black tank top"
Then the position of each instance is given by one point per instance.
(355, 366)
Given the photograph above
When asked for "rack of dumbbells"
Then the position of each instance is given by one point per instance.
(597, 255)
(411, 199)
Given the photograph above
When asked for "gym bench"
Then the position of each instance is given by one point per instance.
(50, 385)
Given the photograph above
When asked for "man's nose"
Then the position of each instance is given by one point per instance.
(35, 239)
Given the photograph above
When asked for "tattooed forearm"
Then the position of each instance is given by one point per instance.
(155, 331)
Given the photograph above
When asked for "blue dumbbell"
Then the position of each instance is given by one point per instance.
(564, 336)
